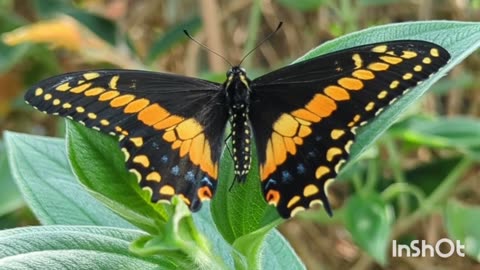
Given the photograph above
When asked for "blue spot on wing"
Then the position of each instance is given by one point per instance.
(286, 176)
(190, 176)
(164, 159)
(300, 168)
(175, 170)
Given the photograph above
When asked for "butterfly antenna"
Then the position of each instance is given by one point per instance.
(205, 47)
(261, 42)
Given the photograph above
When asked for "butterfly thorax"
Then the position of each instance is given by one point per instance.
(237, 91)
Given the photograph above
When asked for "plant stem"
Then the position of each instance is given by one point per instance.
(439, 194)
(397, 188)
(399, 177)
(253, 26)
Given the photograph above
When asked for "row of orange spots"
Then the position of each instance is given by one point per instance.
(288, 131)
(338, 93)
(188, 136)
(154, 115)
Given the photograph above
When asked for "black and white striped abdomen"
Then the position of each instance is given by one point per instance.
(241, 141)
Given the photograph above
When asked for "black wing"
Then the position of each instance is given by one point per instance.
(304, 116)
(170, 127)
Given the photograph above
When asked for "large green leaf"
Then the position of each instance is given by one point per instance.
(369, 220)
(462, 222)
(42, 173)
(99, 165)
(74, 247)
(459, 133)
(10, 198)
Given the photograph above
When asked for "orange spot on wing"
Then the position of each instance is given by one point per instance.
(122, 100)
(290, 145)
(269, 165)
(306, 115)
(286, 125)
(295, 199)
(391, 60)
(332, 152)
(81, 88)
(188, 129)
(137, 105)
(337, 93)
(206, 164)
(143, 160)
(204, 193)
(377, 66)
(169, 136)
(152, 114)
(321, 105)
(167, 190)
(185, 147)
(94, 91)
(154, 176)
(350, 83)
(298, 140)
(168, 122)
(196, 149)
(304, 131)
(279, 151)
(272, 197)
(176, 144)
(108, 95)
(363, 74)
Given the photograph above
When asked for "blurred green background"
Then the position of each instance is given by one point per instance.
(427, 147)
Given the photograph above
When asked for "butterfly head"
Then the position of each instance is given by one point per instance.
(237, 76)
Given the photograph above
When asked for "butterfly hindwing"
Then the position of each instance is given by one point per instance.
(304, 116)
(170, 127)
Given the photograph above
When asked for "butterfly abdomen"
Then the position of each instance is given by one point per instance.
(241, 140)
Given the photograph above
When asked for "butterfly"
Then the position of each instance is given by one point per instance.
(303, 119)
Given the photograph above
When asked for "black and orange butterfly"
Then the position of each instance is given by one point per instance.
(303, 118)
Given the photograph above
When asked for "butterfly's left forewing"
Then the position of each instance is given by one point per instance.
(305, 116)
(170, 127)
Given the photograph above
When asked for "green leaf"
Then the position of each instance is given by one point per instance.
(369, 219)
(102, 27)
(459, 38)
(173, 36)
(462, 222)
(242, 209)
(459, 132)
(10, 198)
(10, 55)
(304, 5)
(179, 236)
(48, 8)
(71, 247)
(99, 165)
(277, 253)
(42, 173)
